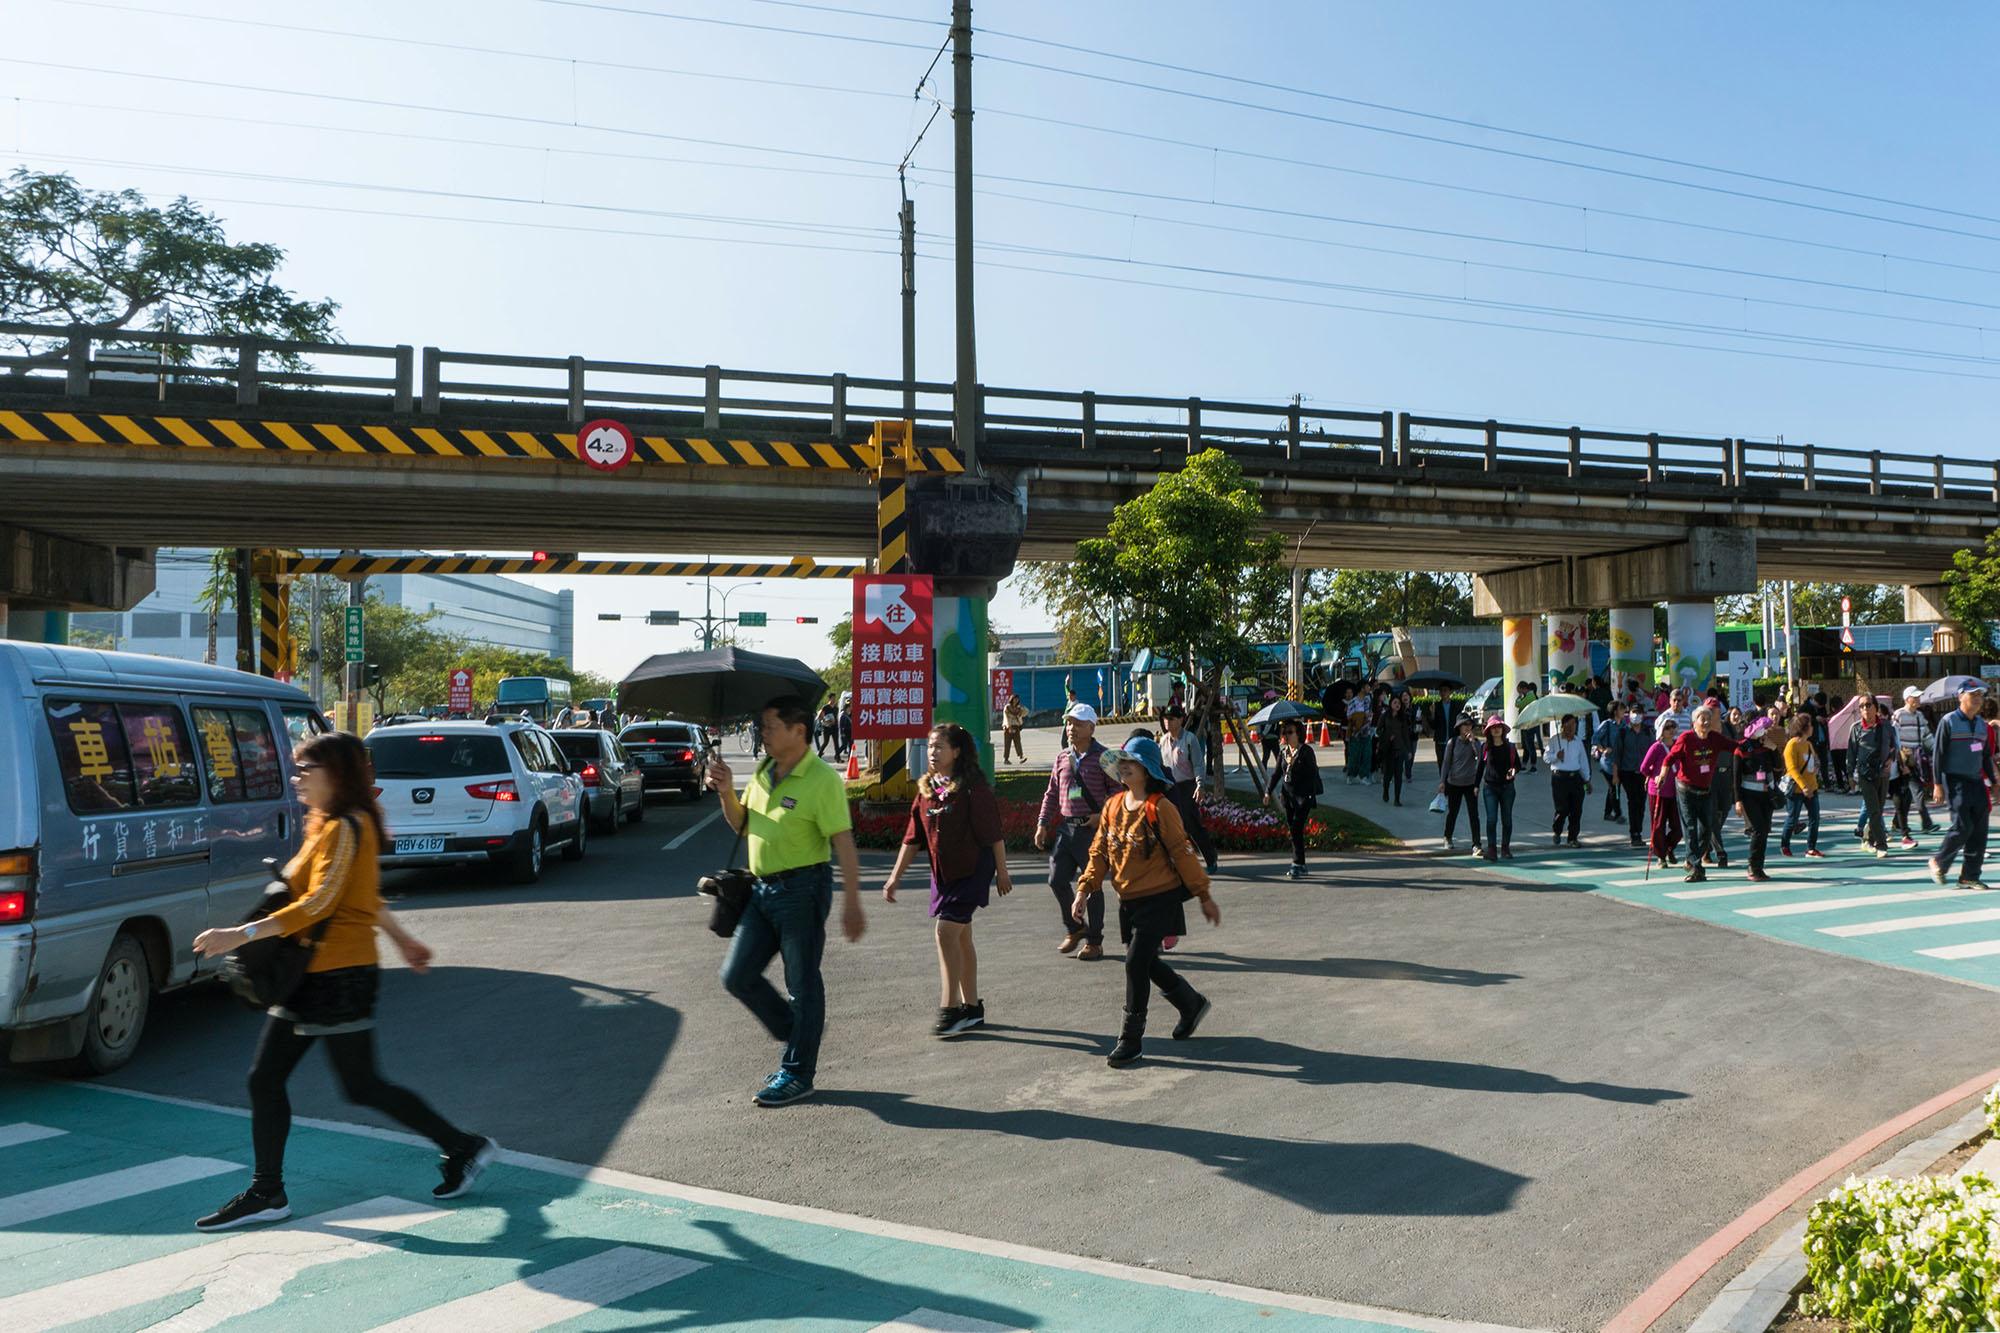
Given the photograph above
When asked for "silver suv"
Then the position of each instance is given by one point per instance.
(469, 791)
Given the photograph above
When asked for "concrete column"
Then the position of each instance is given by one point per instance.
(1925, 602)
(3, 618)
(958, 647)
(1631, 646)
(1520, 659)
(1569, 649)
(1691, 644)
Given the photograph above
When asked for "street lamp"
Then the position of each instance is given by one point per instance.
(709, 618)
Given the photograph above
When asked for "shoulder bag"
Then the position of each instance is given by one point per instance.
(730, 888)
(267, 972)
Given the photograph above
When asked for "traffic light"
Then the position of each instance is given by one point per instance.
(371, 675)
(805, 620)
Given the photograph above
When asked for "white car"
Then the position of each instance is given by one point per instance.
(473, 791)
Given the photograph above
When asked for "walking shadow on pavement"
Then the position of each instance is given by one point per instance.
(1352, 1179)
(1353, 969)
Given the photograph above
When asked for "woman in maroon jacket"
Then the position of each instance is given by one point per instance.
(956, 819)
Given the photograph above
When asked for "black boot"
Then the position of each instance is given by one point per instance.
(1127, 1049)
(1193, 1007)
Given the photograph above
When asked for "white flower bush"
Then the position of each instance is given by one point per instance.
(1992, 1108)
(1921, 1255)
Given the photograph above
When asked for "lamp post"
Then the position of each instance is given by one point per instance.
(709, 618)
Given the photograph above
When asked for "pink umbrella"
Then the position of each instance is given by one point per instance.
(1840, 727)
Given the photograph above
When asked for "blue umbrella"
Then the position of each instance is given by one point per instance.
(1946, 689)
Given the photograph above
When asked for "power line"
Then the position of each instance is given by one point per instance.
(736, 23)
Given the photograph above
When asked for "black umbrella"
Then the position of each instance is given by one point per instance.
(1282, 711)
(716, 685)
(1444, 678)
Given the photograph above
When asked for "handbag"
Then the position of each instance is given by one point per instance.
(266, 972)
(1438, 804)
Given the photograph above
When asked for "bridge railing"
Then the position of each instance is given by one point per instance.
(91, 361)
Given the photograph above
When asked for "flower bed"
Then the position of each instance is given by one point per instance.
(1921, 1255)
(1234, 827)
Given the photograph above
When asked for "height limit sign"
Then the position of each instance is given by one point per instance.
(893, 682)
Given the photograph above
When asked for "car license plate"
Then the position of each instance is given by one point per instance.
(418, 846)
(649, 760)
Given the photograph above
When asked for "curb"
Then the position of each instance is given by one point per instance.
(1755, 1298)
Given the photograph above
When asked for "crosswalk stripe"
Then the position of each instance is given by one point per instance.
(20, 1209)
(1738, 890)
(1818, 878)
(1841, 904)
(1579, 874)
(245, 1272)
(927, 1320)
(553, 1296)
(1976, 949)
(26, 1133)
(1912, 923)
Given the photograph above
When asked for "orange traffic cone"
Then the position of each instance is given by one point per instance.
(853, 765)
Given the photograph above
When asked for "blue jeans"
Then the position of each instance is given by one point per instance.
(785, 917)
(1498, 798)
(1795, 807)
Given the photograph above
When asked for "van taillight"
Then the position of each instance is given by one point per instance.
(17, 887)
(493, 791)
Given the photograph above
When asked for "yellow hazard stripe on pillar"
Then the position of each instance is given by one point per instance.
(185, 433)
(21, 428)
(133, 432)
(74, 428)
(291, 438)
(340, 439)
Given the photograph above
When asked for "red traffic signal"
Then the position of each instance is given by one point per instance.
(805, 620)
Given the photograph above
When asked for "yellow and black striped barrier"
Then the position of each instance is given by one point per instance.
(891, 441)
(368, 566)
(403, 440)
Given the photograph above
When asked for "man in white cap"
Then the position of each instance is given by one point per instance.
(1963, 756)
(1913, 761)
(1077, 793)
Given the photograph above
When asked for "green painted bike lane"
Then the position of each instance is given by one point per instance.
(1851, 903)
(98, 1190)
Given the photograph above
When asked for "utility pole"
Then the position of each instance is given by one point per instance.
(1791, 666)
(313, 643)
(965, 393)
(908, 217)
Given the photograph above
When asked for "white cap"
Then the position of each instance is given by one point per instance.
(1912, 692)
(1082, 713)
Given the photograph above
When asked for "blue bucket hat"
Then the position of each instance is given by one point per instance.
(1140, 751)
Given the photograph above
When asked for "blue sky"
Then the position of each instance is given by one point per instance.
(637, 183)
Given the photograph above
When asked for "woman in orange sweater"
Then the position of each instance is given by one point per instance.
(1143, 847)
(336, 879)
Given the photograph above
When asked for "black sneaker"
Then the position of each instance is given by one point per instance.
(970, 1016)
(247, 1209)
(947, 1020)
(460, 1170)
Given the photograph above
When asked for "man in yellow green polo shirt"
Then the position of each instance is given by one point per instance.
(796, 812)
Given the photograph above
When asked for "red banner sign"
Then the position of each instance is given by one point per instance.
(893, 677)
(459, 697)
(1003, 688)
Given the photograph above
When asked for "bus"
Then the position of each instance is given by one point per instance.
(540, 697)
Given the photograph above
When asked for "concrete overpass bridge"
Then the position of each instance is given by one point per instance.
(121, 449)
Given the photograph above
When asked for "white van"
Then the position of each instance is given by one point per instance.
(140, 800)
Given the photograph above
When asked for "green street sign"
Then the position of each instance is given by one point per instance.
(356, 651)
(750, 619)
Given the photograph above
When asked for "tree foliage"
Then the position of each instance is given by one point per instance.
(1082, 619)
(1818, 603)
(111, 261)
(1344, 605)
(1188, 562)
(839, 673)
(1972, 593)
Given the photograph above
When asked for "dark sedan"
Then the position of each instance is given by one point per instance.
(672, 756)
(611, 782)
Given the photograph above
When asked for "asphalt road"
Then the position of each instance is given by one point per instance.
(1423, 1087)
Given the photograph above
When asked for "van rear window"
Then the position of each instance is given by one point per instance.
(122, 756)
(417, 755)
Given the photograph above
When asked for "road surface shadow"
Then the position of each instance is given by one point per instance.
(1260, 1057)
(1391, 1179)
(1356, 969)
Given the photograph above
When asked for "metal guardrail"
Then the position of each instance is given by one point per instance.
(91, 361)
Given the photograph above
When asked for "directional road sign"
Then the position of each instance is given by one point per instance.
(356, 639)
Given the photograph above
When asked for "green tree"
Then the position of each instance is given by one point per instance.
(1190, 563)
(1972, 593)
(839, 673)
(1818, 603)
(398, 641)
(110, 261)
(1082, 619)
(218, 594)
(1345, 605)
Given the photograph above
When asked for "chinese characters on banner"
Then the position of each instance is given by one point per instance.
(893, 681)
(1003, 689)
(458, 698)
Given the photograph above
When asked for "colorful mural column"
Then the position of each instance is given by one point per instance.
(1631, 645)
(958, 629)
(1520, 658)
(1691, 644)
(1569, 649)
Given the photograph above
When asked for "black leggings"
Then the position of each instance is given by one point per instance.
(1144, 968)
(279, 1051)
(1296, 814)
(1454, 796)
(1394, 766)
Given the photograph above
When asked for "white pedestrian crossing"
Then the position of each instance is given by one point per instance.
(927, 1320)
(1971, 949)
(36, 1205)
(1842, 904)
(26, 1133)
(544, 1299)
(242, 1273)
(1912, 923)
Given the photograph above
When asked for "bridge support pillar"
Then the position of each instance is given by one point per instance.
(1711, 563)
(958, 657)
(1691, 644)
(1569, 649)
(1631, 646)
(1520, 660)
(1925, 601)
(40, 572)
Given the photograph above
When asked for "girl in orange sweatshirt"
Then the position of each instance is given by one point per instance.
(1143, 848)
